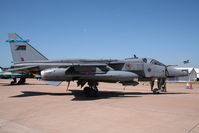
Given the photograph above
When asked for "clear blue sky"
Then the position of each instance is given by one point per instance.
(167, 30)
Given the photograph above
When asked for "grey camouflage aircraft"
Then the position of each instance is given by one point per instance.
(129, 71)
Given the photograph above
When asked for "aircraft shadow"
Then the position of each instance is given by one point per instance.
(34, 93)
(3, 84)
(79, 96)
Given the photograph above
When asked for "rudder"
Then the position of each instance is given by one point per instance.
(22, 51)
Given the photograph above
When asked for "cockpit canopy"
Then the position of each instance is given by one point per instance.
(152, 61)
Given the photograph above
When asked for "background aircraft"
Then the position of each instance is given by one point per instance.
(127, 72)
(22, 76)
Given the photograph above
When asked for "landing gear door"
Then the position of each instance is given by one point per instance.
(154, 71)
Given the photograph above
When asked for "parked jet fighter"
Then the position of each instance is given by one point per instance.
(22, 76)
(127, 72)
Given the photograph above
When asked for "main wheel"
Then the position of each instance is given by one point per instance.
(86, 91)
(90, 92)
(12, 83)
(21, 81)
(93, 92)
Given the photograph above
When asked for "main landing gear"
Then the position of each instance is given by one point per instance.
(92, 90)
(20, 82)
(161, 86)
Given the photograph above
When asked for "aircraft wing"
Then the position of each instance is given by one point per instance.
(81, 64)
(37, 68)
(86, 66)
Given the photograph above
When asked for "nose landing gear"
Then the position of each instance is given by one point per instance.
(161, 86)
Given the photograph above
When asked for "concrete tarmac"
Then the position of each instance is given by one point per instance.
(39, 108)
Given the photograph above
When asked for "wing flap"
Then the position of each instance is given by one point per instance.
(24, 69)
(63, 65)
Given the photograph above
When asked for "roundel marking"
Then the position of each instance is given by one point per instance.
(128, 66)
(149, 69)
(22, 59)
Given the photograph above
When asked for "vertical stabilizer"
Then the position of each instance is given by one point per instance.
(22, 51)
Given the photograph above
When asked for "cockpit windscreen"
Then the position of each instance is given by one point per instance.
(152, 61)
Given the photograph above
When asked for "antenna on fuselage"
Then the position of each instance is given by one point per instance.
(135, 56)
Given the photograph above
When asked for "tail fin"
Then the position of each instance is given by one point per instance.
(22, 51)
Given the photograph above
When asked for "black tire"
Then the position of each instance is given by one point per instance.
(86, 91)
(89, 92)
(22, 81)
(156, 91)
(93, 93)
(12, 83)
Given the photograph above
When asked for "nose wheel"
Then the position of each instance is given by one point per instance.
(161, 86)
(156, 91)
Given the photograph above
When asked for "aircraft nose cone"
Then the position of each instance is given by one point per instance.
(173, 72)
